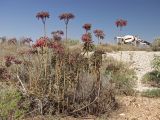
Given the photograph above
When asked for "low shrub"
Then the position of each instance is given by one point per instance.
(122, 76)
(151, 93)
(152, 78)
(58, 81)
(10, 102)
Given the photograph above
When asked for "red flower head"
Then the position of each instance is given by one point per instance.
(99, 33)
(87, 26)
(42, 42)
(42, 15)
(86, 38)
(121, 23)
(66, 17)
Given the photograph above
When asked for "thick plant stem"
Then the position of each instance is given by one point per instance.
(44, 28)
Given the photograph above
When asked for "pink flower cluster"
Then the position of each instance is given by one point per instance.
(121, 23)
(86, 38)
(41, 42)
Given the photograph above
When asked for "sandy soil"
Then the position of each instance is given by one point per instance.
(137, 108)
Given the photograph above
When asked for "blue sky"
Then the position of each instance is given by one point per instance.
(17, 17)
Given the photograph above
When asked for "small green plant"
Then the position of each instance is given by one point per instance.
(9, 102)
(152, 78)
(151, 93)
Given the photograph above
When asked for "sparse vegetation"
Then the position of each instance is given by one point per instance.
(121, 76)
(10, 106)
(151, 93)
(153, 78)
(156, 45)
(114, 48)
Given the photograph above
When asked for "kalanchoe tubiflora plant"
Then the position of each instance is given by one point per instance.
(99, 34)
(43, 16)
(57, 35)
(87, 39)
(87, 27)
(66, 17)
(121, 23)
(41, 42)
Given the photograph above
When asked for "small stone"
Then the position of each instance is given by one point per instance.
(122, 114)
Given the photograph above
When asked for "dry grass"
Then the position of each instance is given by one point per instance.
(111, 48)
(59, 83)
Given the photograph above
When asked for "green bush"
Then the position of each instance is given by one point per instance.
(152, 78)
(151, 93)
(9, 102)
(122, 76)
(156, 45)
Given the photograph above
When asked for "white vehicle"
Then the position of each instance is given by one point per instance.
(130, 39)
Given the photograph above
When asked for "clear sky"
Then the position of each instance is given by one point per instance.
(17, 17)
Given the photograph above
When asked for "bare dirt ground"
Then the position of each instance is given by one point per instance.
(137, 108)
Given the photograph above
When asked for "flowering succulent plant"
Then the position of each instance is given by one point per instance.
(121, 23)
(87, 27)
(66, 17)
(99, 34)
(43, 16)
(41, 42)
(86, 38)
